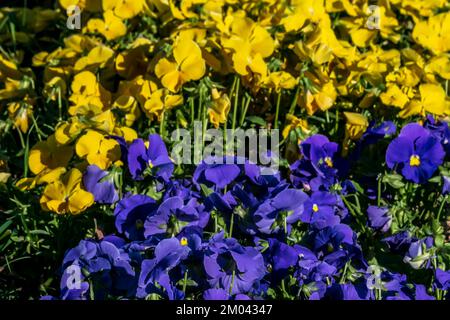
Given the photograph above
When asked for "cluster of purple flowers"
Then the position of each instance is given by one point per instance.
(231, 232)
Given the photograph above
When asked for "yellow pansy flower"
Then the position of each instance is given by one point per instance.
(4, 170)
(434, 34)
(89, 5)
(187, 64)
(394, 96)
(127, 133)
(49, 154)
(98, 149)
(432, 99)
(355, 126)
(66, 132)
(130, 106)
(66, 195)
(292, 123)
(111, 27)
(280, 80)
(87, 91)
(301, 11)
(134, 61)
(249, 44)
(321, 96)
(219, 108)
(55, 88)
(44, 177)
(19, 113)
(98, 57)
(439, 65)
(161, 100)
(124, 9)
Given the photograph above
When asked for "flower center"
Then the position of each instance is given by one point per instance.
(139, 224)
(414, 161)
(184, 241)
(329, 162)
(315, 207)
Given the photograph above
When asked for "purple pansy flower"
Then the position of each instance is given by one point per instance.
(169, 253)
(317, 170)
(222, 294)
(230, 266)
(101, 262)
(101, 184)
(416, 153)
(418, 255)
(280, 212)
(379, 218)
(131, 213)
(446, 185)
(320, 210)
(173, 215)
(155, 158)
(442, 279)
(439, 129)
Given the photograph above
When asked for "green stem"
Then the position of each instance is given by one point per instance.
(185, 281)
(232, 282)
(191, 103)
(230, 234)
(294, 101)
(236, 99)
(379, 191)
(248, 98)
(441, 208)
(161, 126)
(277, 111)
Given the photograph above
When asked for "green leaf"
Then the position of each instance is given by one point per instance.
(256, 120)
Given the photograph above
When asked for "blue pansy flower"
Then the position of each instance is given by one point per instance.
(131, 213)
(230, 266)
(416, 153)
(101, 184)
(153, 157)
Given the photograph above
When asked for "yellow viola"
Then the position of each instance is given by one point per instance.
(394, 96)
(219, 108)
(124, 9)
(434, 34)
(320, 96)
(432, 99)
(4, 170)
(355, 126)
(66, 195)
(439, 65)
(129, 106)
(87, 91)
(134, 61)
(111, 27)
(98, 58)
(249, 43)
(88, 5)
(187, 64)
(292, 123)
(98, 149)
(55, 89)
(49, 154)
(280, 80)
(160, 101)
(19, 113)
(301, 11)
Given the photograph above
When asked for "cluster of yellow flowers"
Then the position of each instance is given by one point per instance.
(132, 60)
